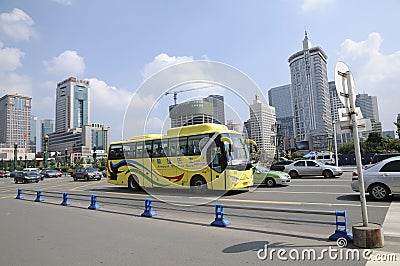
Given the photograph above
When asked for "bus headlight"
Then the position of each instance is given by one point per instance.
(233, 179)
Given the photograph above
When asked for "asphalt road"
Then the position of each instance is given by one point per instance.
(46, 233)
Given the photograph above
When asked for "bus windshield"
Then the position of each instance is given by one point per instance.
(237, 152)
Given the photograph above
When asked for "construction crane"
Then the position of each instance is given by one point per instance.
(175, 93)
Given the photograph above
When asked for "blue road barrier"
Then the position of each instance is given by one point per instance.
(39, 196)
(66, 201)
(148, 208)
(342, 229)
(19, 194)
(93, 203)
(219, 216)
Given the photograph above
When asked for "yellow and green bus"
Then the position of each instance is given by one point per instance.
(200, 157)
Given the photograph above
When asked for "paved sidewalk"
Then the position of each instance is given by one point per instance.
(391, 228)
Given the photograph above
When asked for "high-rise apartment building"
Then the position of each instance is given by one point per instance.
(191, 113)
(218, 108)
(33, 134)
(72, 104)
(100, 137)
(46, 128)
(281, 98)
(310, 91)
(72, 124)
(261, 127)
(15, 120)
(369, 109)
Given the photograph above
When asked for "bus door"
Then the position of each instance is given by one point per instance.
(215, 162)
(139, 151)
(147, 164)
(162, 170)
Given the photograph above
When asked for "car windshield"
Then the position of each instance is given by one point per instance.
(237, 152)
(91, 169)
(31, 173)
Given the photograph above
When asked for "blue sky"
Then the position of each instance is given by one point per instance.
(118, 44)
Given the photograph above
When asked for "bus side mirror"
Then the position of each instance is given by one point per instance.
(253, 143)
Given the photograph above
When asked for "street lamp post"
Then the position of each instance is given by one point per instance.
(94, 155)
(335, 140)
(66, 157)
(15, 156)
(46, 146)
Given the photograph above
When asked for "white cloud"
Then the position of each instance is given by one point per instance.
(68, 63)
(16, 25)
(311, 5)
(108, 97)
(10, 58)
(10, 80)
(162, 61)
(375, 73)
(63, 2)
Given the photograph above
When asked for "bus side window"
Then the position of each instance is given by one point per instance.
(139, 150)
(148, 148)
(183, 146)
(173, 147)
(194, 148)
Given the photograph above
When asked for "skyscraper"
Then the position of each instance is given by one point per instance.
(72, 104)
(369, 109)
(46, 128)
(261, 127)
(15, 119)
(218, 107)
(100, 137)
(191, 113)
(72, 124)
(312, 111)
(281, 98)
(33, 134)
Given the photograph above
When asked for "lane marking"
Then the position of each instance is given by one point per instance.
(308, 192)
(319, 185)
(75, 188)
(300, 203)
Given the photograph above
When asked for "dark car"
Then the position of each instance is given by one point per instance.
(86, 173)
(51, 173)
(280, 166)
(26, 177)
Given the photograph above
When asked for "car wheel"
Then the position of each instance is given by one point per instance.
(198, 184)
(294, 174)
(270, 182)
(15, 181)
(133, 184)
(327, 174)
(87, 178)
(379, 192)
(75, 179)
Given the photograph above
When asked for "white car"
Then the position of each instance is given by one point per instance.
(312, 168)
(381, 179)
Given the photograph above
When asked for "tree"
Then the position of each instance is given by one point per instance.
(397, 124)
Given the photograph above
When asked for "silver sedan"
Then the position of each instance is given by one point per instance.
(381, 179)
(312, 168)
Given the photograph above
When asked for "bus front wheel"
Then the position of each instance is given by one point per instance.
(198, 184)
(132, 183)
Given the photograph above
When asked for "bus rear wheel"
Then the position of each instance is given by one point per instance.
(198, 184)
(133, 184)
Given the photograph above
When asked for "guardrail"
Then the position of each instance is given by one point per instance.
(341, 231)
